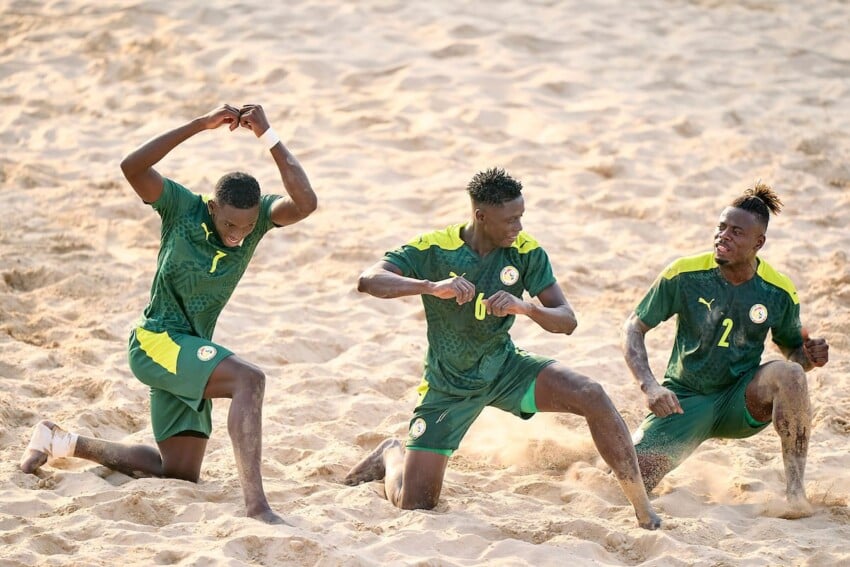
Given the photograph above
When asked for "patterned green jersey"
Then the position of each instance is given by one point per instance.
(466, 347)
(721, 328)
(195, 272)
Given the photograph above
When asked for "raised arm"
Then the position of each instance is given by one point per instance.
(137, 166)
(384, 280)
(301, 200)
(661, 401)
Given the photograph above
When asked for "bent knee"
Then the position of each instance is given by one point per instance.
(252, 377)
(594, 396)
(790, 376)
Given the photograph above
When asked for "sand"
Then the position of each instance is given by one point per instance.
(631, 126)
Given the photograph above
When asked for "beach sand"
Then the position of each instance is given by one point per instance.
(630, 126)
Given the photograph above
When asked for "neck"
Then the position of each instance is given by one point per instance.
(740, 273)
(475, 240)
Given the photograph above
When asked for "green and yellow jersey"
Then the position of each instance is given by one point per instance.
(721, 328)
(195, 273)
(466, 347)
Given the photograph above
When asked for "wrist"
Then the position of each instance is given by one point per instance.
(429, 287)
(199, 124)
(269, 138)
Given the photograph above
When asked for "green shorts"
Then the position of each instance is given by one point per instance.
(176, 367)
(440, 420)
(720, 415)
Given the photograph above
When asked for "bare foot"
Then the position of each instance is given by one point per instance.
(651, 522)
(372, 467)
(41, 445)
(798, 507)
(269, 517)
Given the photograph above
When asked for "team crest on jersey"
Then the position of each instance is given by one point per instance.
(206, 353)
(758, 313)
(509, 275)
(417, 428)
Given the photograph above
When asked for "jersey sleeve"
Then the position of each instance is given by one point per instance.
(174, 201)
(404, 258)
(788, 330)
(661, 302)
(264, 221)
(538, 274)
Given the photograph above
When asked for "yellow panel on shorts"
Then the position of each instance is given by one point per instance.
(160, 348)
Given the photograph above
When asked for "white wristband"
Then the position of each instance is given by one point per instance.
(270, 138)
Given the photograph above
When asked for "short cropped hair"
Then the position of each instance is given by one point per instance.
(759, 200)
(493, 187)
(237, 189)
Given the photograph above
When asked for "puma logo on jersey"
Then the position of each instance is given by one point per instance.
(206, 231)
(706, 303)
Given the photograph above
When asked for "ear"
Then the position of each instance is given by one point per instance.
(211, 206)
(760, 242)
(478, 214)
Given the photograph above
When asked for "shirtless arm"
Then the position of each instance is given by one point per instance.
(301, 200)
(661, 401)
(137, 166)
(383, 279)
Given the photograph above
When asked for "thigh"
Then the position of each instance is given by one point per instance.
(230, 375)
(559, 389)
(182, 456)
(441, 420)
(176, 363)
(171, 415)
(519, 373)
(734, 419)
(761, 389)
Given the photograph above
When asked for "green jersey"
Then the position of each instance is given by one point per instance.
(466, 347)
(195, 272)
(721, 328)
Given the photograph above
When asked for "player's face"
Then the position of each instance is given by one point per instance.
(738, 237)
(233, 224)
(502, 223)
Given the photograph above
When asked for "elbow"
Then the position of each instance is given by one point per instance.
(570, 325)
(126, 167)
(563, 326)
(308, 207)
(311, 205)
(364, 283)
(361, 283)
(569, 321)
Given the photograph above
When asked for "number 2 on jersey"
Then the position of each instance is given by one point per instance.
(728, 324)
